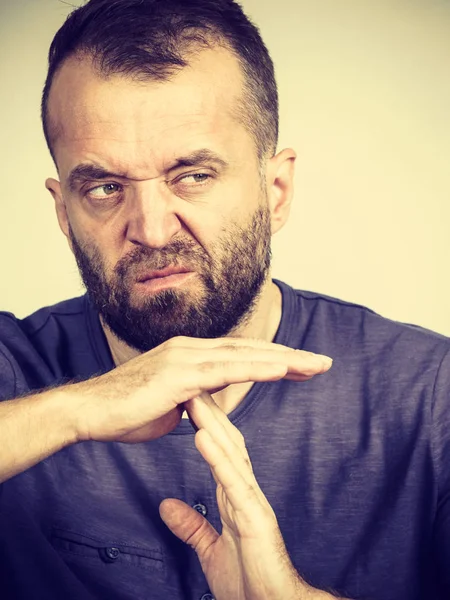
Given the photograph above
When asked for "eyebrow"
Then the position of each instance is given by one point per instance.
(199, 157)
(88, 172)
(91, 171)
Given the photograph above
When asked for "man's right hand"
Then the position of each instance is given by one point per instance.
(143, 399)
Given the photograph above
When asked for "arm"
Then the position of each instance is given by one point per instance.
(118, 406)
(33, 428)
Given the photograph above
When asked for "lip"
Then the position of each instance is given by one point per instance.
(162, 273)
(157, 284)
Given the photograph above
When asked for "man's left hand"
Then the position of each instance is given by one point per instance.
(248, 560)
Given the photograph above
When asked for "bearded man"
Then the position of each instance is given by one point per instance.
(130, 414)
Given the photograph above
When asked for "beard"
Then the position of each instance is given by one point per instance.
(219, 299)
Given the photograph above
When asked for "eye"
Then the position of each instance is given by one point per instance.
(195, 178)
(104, 191)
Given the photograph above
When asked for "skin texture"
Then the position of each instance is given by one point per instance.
(248, 560)
(149, 213)
(139, 130)
(121, 406)
(229, 277)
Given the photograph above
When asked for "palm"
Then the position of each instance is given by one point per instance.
(229, 560)
(222, 567)
(221, 563)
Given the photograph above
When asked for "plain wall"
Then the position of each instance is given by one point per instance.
(365, 100)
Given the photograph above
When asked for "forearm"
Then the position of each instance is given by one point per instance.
(302, 591)
(33, 428)
(309, 593)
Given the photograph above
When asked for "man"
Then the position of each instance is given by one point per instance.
(161, 116)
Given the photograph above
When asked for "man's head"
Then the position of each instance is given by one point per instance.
(165, 153)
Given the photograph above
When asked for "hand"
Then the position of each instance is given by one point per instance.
(142, 399)
(248, 560)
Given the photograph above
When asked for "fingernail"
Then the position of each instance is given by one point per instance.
(327, 361)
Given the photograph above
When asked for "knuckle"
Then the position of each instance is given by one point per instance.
(248, 464)
(207, 367)
(240, 438)
(249, 491)
(176, 353)
(174, 342)
(230, 347)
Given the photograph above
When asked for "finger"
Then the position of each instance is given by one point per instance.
(297, 361)
(243, 495)
(188, 525)
(198, 416)
(218, 375)
(248, 346)
(211, 374)
(205, 413)
(237, 342)
(229, 439)
(246, 364)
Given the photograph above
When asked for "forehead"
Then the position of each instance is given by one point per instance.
(139, 126)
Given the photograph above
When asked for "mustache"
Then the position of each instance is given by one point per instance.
(178, 253)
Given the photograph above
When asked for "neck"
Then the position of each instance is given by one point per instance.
(263, 325)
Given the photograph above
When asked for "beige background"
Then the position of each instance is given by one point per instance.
(365, 100)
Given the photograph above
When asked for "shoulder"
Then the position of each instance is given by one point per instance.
(348, 321)
(367, 348)
(29, 346)
(38, 320)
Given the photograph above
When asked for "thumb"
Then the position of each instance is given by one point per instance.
(188, 525)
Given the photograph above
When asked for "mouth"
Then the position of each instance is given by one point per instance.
(167, 272)
(171, 277)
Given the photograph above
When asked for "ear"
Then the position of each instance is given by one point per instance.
(280, 186)
(54, 187)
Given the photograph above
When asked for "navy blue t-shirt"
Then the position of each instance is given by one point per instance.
(355, 463)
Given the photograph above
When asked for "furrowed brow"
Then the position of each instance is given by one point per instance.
(92, 172)
(89, 172)
(199, 157)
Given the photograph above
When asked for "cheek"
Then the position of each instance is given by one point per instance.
(102, 250)
(111, 252)
(216, 229)
(107, 237)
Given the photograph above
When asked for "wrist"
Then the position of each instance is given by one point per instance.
(307, 592)
(301, 590)
(59, 409)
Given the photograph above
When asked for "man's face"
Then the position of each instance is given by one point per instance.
(158, 175)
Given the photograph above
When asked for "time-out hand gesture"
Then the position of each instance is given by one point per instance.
(143, 399)
(248, 561)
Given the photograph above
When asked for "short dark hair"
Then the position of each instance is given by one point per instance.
(150, 39)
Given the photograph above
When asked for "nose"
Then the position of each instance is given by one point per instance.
(152, 220)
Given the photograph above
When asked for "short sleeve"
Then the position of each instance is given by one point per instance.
(7, 374)
(441, 455)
